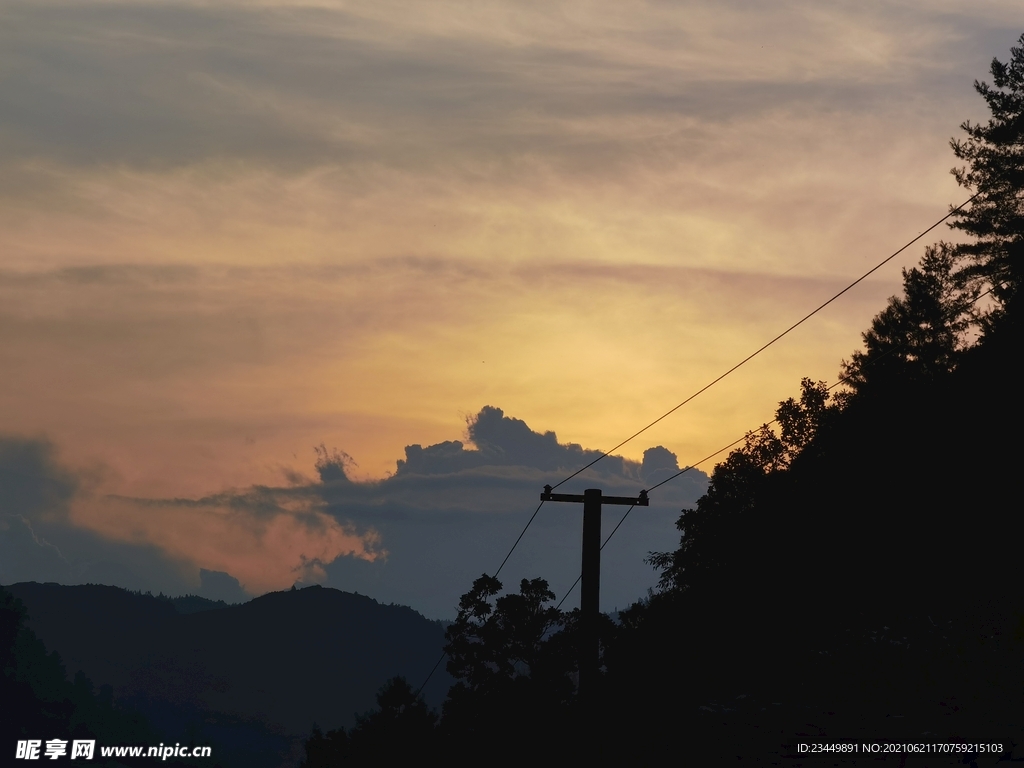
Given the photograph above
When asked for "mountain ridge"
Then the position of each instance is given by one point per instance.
(284, 660)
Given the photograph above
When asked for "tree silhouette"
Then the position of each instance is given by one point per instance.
(713, 531)
(491, 646)
(326, 751)
(919, 335)
(515, 660)
(401, 731)
(40, 702)
(994, 155)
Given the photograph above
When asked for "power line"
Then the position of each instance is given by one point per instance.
(623, 519)
(433, 669)
(513, 549)
(838, 382)
(765, 346)
(523, 533)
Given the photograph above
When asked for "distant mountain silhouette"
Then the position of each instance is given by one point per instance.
(284, 660)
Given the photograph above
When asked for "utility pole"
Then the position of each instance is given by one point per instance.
(590, 589)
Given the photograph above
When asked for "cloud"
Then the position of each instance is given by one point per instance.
(267, 543)
(418, 537)
(392, 212)
(34, 494)
(452, 509)
(52, 528)
(584, 88)
(217, 585)
(26, 555)
(500, 441)
(202, 377)
(39, 540)
(232, 231)
(659, 464)
(35, 486)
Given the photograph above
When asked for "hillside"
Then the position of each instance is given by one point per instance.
(284, 660)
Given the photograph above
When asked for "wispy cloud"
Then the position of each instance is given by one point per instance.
(231, 231)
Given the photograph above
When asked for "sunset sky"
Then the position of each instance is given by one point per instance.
(231, 232)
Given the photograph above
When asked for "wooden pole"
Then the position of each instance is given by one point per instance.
(590, 597)
(590, 592)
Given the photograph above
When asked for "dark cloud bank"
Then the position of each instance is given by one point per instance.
(449, 513)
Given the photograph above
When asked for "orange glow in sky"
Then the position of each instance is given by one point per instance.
(230, 232)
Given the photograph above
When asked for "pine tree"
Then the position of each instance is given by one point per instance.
(994, 154)
(919, 335)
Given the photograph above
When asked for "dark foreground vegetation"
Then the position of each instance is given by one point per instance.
(39, 702)
(247, 680)
(853, 573)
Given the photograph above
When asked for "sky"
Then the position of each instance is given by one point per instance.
(325, 292)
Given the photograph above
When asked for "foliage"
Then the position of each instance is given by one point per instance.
(400, 731)
(709, 532)
(34, 686)
(853, 559)
(515, 660)
(837, 566)
(838, 561)
(402, 726)
(919, 336)
(326, 751)
(491, 646)
(994, 155)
